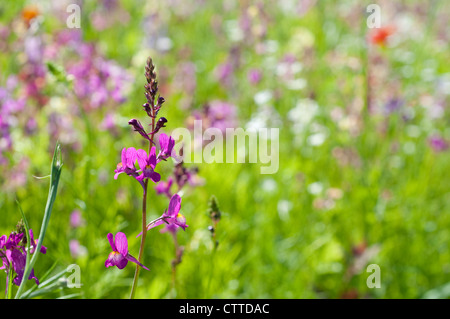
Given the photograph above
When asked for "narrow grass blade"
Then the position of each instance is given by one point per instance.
(55, 175)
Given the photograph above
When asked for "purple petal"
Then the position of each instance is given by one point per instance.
(3, 241)
(163, 141)
(171, 144)
(142, 158)
(134, 260)
(108, 262)
(174, 205)
(122, 262)
(43, 249)
(131, 157)
(181, 221)
(152, 157)
(17, 259)
(121, 243)
(32, 276)
(152, 225)
(124, 157)
(155, 224)
(116, 259)
(155, 177)
(111, 241)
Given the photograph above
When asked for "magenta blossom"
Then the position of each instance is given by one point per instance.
(76, 220)
(147, 165)
(167, 143)
(13, 240)
(18, 261)
(13, 255)
(33, 244)
(129, 157)
(254, 76)
(164, 187)
(438, 144)
(171, 216)
(119, 256)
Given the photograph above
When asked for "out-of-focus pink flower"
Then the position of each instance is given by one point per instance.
(438, 144)
(76, 220)
(76, 249)
(254, 76)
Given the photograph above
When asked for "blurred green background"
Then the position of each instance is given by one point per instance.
(363, 158)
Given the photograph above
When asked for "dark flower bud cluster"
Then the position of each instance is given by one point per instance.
(151, 90)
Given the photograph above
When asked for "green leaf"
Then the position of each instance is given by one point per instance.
(54, 180)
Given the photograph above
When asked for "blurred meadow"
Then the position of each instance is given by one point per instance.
(363, 117)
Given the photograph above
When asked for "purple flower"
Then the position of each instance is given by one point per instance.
(218, 114)
(76, 250)
(438, 144)
(393, 105)
(14, 255)
(147, 165)
(2, 241)
(171, 216)
(13, 240)
(224, 72)
(18, 261)
(33, 244)
(185, 175)
(164, 187)
(254, 76)
(129, 157)
(119, 256)
(75, 219)
(167, 143)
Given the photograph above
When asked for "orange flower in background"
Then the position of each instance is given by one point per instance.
(29, 13)
(378, 36)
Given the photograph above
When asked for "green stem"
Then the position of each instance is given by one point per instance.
(10, 283)
(215, 245)
(144, 235)
(174, 265)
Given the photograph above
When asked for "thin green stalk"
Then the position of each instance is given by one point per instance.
(10, 283)
(144, 235)
(175, 262)
(55, 175)
(215, 245)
